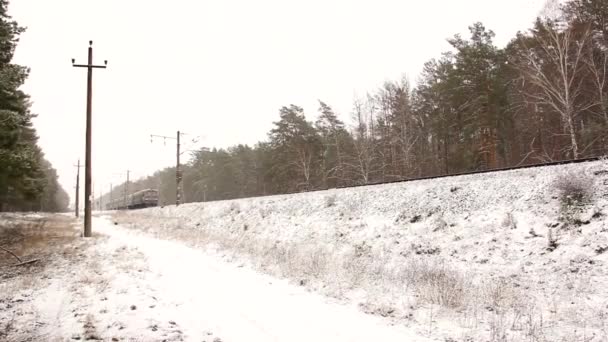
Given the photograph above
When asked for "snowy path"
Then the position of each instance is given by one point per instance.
(204, 294)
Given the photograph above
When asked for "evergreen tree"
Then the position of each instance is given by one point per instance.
(296, 150)
(334, 138)
(592, 13)
(22, 175)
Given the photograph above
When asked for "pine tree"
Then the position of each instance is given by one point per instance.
(21, 177)
(334, 138)
(593, 13)
(297, 150)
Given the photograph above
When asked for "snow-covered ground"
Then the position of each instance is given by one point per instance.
(122, 286)
(491, 257)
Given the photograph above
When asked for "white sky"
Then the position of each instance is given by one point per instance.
(221, 69)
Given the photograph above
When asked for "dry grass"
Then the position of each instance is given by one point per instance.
(438, 283)
(434, 282)
(28, 237)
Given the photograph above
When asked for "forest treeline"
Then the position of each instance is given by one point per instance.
(543, 97)
(28, 182)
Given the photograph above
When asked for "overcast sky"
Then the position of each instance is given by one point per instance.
(221, 69)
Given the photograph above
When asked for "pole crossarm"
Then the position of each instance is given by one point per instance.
(89, 66)
(161, 136)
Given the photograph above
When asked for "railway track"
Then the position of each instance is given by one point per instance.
(528, 166)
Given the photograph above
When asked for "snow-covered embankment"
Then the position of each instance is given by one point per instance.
(496, 256)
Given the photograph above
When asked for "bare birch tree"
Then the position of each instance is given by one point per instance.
(362, 164)
(597, 65)
(555, 67)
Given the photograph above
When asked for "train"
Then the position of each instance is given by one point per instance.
(140, 199)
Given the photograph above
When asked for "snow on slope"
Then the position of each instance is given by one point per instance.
(456, 258)
(239, 304)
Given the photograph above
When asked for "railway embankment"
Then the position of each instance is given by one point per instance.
(506, 256)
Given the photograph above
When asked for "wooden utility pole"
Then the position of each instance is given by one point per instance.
(88, 162)
(178, 176)
(178, 172)
(77, 203)
(126, 189)
(111, 197)
(100, 199)
(160, 186)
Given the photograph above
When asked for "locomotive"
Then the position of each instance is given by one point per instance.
(140, 199)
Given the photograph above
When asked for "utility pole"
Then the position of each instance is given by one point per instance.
(100, 198)
(126, 189)
(88, 171)
(160, 186)
(116, 204)
(178, 176)
(178, 172)
(77, 203)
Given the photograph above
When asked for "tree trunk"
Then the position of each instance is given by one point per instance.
(340, 169)
(573, 140)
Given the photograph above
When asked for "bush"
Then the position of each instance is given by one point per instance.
(575, 188)
(330, 201)
(575, 192)
(509, 221)
(235, 207)
(551, 240)
(437, 283)
(499, 294)
(439, 224)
